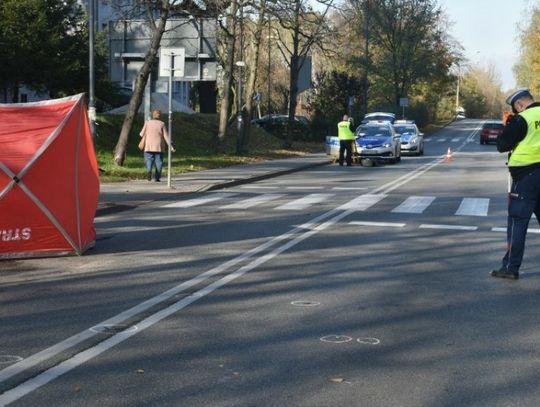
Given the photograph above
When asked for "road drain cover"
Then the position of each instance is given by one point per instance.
(369, 341)
(113, 328)
(336, 338)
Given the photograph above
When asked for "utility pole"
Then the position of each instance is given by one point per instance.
(91, 79)
(240, 64)
(457, 90)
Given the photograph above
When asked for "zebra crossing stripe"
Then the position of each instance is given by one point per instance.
(198, 201)
(473, 207)
(441, 140)
(380, 224)
(414, 204)
(536, 231)
(362, 202)
(455, 140)
(303, 203)
(248, 203)
(447, 227)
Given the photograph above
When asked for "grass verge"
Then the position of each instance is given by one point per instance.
(193, 137)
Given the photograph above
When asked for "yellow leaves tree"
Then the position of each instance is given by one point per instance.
(527, 70)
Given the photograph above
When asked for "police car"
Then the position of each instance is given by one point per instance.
(378, 141)
(412, 141)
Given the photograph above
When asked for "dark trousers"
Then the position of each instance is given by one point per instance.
(523, 201)
(345, 145)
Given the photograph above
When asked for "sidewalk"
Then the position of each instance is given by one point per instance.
(120, 196)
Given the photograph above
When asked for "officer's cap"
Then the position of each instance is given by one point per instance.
(518, 94)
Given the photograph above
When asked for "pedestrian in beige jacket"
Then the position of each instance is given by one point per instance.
(155, 136)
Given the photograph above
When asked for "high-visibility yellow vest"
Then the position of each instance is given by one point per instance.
(344, 131)
(527, 152)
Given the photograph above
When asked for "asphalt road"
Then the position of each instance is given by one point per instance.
(363, 286)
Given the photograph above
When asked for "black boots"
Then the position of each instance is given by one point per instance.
(504, 273)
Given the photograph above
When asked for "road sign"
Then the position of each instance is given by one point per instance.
(404, 102)
(177, 55)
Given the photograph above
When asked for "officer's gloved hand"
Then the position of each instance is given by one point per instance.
(510, 118)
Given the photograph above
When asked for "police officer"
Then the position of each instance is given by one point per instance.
(346, 138)
(520, 137)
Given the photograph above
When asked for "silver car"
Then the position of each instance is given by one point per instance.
(412, 141)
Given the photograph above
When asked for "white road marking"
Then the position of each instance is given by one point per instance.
(312, 227)
(455, 140)
(248, 203)
(447, 227)
(308, 188)
(380, 224)
(199, 201)
(303, 203)
(529, 230)
(362, 202)
(349, 188)
(441, 140)
(414, 204)
(82, 357)
(473, 207)
(258, 187)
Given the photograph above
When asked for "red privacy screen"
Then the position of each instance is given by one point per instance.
(49, 180)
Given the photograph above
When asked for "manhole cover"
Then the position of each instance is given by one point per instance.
(336, 338)
(305, 303)
(9, 359)
(113, 328)
(369, 341)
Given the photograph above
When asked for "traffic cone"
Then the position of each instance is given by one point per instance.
(448, 156)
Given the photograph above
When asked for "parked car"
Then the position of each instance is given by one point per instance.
(490, 131)
(379, 116)
(277, 124)
(412, 141)
(378, 141)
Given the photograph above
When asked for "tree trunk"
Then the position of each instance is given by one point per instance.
(250, 86)
(293, 78)
(140, 83)
(227, 76)
(293, 94)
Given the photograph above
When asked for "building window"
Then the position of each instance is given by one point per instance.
(23, 98)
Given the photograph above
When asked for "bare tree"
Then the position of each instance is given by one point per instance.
(304, 29)
(253, 63)
(229, 44)
(157, 14)
(157, 29)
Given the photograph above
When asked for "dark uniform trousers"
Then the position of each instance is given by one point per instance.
(523, 201)
(345, 146)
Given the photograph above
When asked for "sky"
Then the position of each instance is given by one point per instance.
(488, 31)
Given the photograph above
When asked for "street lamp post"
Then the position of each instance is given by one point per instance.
(91, 85)
(240, 118)
(457, 90)
(240, 64)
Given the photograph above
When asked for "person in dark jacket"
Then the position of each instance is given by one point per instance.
(521, 138)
